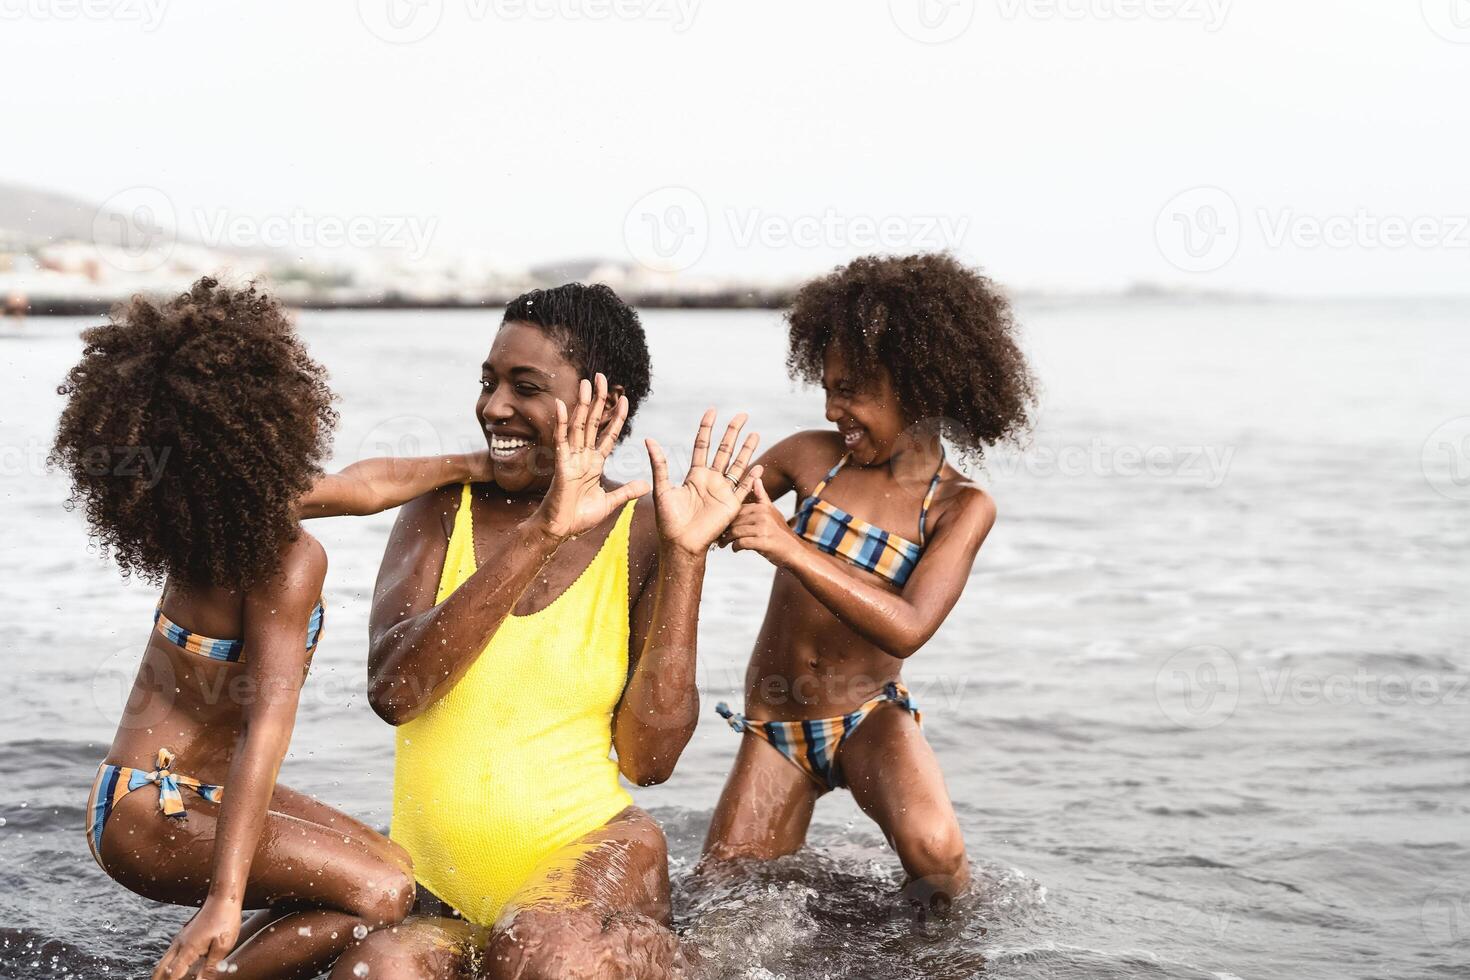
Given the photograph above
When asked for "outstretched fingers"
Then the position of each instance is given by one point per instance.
(594, 410)
(701, 441)
(747, 450)
(578, 434)
(560, 433)
(727, 443)
(659, 464)
(615, 427)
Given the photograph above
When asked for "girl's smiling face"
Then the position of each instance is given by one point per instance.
(867, 414)
(526, 371)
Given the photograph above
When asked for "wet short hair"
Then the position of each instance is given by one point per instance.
(602, 334)
(191, 427)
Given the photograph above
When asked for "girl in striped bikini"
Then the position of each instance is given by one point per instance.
(880, 547)
(216, 392)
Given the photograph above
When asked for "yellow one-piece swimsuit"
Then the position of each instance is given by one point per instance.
(513, 763)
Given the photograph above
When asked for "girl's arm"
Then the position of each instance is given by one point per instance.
(276, 619)
(373, 485)
(896, 623)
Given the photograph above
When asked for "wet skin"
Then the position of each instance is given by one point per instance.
(598, 907)
(307, 866)
(834, 635)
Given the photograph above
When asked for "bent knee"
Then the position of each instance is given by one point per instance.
(563, 944)
(381, 954)
(386, 899)
(927, 851)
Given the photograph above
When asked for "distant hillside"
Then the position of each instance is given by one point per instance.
(45, 216)
(37, 217)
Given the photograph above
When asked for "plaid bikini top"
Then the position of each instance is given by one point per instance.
(226, 650)
(865, 545)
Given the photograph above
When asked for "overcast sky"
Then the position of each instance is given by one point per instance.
(1312, 146)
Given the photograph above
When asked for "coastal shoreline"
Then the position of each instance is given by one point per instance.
(61, 306)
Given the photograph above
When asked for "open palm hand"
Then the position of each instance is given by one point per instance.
(576, 500)
(692, 515)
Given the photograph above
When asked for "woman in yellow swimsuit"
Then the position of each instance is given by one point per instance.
(525, 627)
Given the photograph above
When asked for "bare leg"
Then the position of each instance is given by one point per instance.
(420, 948)
(895, 778)
(323, 886)
(292, 803)
(596, 909)
(765, 808)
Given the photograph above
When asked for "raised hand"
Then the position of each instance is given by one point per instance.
(692, 515)
(576, 501)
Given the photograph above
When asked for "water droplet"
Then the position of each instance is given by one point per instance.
(361, 970)
(303, 931)
(360, 931)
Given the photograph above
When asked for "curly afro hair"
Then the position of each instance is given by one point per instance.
(603, 333)
(190, 428)
(944, 332)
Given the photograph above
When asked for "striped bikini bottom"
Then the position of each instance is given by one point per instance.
(812, 744)
(115, 782)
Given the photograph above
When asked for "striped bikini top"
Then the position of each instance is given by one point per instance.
(865, 545)
(226, 650)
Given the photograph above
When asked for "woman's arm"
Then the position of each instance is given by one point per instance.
(276, 617)
(417, 650)
(896, 623)
(370, 486)
(660, 705)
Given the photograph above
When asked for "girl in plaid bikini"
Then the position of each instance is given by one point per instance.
(908, 350)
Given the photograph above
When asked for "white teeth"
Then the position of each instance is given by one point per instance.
(504, 447)
(851, 438)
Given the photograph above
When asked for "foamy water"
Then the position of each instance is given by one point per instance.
(1203, 707)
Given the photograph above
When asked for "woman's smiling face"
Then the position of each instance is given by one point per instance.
(526, 371)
